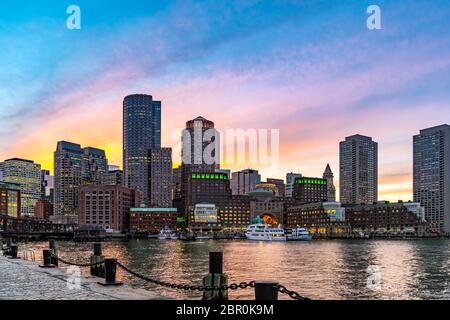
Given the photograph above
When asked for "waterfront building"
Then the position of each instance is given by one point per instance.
(73, 167)
(320, 218)
(265, 205)
(310, 190)
(385, 218)
(358, 168)
(279, 183)
(331, 189)
(431, 176)
(47, 187)
(290, 183)
(160, 176)
(212, 188)
(245, 181)
(10, 199)
(235, 215)
(27, 174)
(152, 220)
(107, 206)
(206, 218)
(141, 133)
(43, 209)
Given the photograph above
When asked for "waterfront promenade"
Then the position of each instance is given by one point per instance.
(25, 280)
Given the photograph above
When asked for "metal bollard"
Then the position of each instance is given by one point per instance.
(52, 244)
(215, 278)
(110, 273)
(47, 257)
(54, 250)
(97, 270)
(216, 262)
(13, 251)
(97, 249)
(266, 290)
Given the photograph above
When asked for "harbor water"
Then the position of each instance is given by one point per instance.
(334, 269)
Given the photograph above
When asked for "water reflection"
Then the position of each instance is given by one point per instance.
(319, 269)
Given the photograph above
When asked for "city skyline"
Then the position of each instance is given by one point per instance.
(323, 88)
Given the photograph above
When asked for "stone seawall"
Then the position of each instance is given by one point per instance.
(25, 280)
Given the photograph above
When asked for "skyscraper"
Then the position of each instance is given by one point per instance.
(358, 156)
(27, 174)
(431, 175)
(95, 165)
(141, 133)
(329, 176)
(245, 181)
(200, 146)
(160, 175)
(74, 166)
(200, 152)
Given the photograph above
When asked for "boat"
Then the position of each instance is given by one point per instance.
(203, 237)
(187, 237)
(265, 232)
(167, 234)
(298, 234)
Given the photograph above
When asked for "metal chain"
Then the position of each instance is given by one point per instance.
(233, 286)
(78, 264)
(294, 295)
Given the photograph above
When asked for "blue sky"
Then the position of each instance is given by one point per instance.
(309, 68)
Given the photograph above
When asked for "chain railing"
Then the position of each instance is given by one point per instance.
(266, 289)
(90, 264)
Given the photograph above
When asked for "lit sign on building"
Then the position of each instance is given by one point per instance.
(209, 176)
(205, 213)
(310, 181)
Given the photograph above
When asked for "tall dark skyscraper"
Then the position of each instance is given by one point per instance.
(141, 133)
(358, 181)
(431, 175)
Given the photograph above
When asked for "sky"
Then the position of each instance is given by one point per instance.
(310, 69)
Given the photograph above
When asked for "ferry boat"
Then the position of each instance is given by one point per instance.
(298, 234)
(167, 234)
(265, 232)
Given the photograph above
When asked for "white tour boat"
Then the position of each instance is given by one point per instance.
(167, 234)
(298, 234)
(265, 232)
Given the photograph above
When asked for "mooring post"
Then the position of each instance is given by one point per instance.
(97, 249)
(216, 278)
(47, 259)
(266, 290)
(110, 273)
(54, 251)
(13, 251)
(216, 262)
(97, 270)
